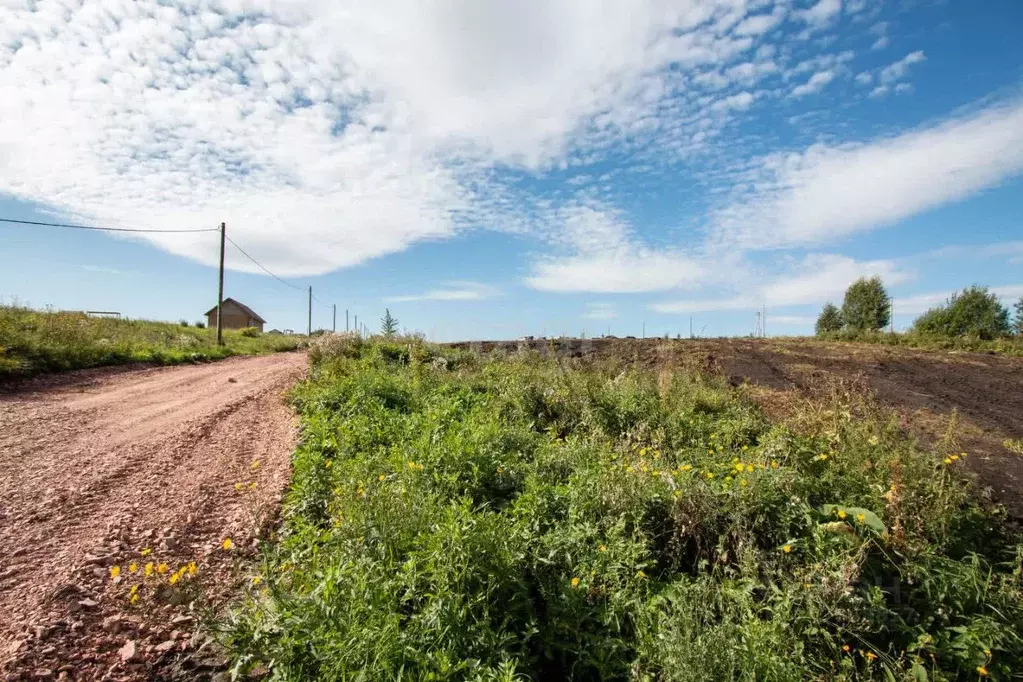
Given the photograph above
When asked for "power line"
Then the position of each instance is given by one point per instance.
(104, 229)
(263, 267)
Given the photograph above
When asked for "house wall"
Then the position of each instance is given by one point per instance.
(233, 319)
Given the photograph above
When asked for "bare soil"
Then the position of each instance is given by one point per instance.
(97, 466)
(924, 387)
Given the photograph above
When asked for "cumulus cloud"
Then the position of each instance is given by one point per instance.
(600, 311)
(817, 82)
(919, 303)
(328, 133)
(605, 256)
(826, 193)
(820, 14)
(896, 71)
(455, 290)
(814, 280)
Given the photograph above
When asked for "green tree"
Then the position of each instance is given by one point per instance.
(974, 311)
(1017, 325)
(830, 319)
(866, 306)
(388, 324)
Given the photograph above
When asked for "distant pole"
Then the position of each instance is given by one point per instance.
(309, 328)
(763, 321)
(220, 288)
(357, 330)
(346, 319)
(891, 317)
(334, 325)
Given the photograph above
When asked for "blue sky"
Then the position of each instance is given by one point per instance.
(495, 169)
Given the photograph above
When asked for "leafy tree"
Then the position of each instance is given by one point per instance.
(388, 324)
(973, 312)
(866, 306)
(1017, 326)
(830, 319)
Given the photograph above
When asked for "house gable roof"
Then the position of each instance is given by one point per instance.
(246, 309)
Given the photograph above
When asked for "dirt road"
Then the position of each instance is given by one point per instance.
(95, 468)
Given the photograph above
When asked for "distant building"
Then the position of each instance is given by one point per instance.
(236, 316)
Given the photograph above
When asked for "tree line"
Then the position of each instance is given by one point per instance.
(973, 312)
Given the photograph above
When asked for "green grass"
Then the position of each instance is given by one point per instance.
(1008, 345)
(34, 342)
(510, 518)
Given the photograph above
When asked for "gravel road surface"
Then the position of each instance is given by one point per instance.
(96, 467)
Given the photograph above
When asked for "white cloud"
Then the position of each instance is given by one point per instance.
(759, 24)
(326, 133)
(920, 303)
(600, 311)
(451, 291)
(605, 256)
(820, 14)
(814, 280)
(879, 91)
(864, 78)
(826, 193)
(792, 320)
(816, 83)
(881, 43)
(896, 71)
(104, 270)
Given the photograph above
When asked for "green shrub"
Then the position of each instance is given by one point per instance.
(200, 324)
(250, 332)
(973, 312)
(523, 519)
(866, 306)
(1017, 325)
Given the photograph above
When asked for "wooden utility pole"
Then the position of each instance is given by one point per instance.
(334, 326)
(220, 288)
(310, 325)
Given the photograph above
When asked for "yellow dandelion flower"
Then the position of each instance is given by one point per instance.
(774, 464)
(162, 568)
(861, 518)
(381, 477)
(411, 465)
(710, 475)
(640, 574)
(227, 543)
(133, 567)
(745, 448)
(602, 548)
(115, 571)
(982, 671)
(327, 463)
(252, 486)
(256, 580)
(238, 486)
(575, 582)
(871, 656)
(146, 551)
(676, 494)
(962, 454)
(255, 464)
(987, 652)
(174, 578)
(500, 470)
(148, 570)
(786, 548)
(947, 460)
(133, 598)
(687, 467)
(842, 514)
(727, 479)
(845, 648)
(954, 457)
(192, 568)
(744, 482)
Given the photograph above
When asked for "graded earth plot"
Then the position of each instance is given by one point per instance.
(458, 515)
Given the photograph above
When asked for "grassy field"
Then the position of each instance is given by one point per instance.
(1008, 345)
(467, 517)
(34, 342)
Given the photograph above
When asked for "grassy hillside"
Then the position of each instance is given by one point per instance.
(33, 342)
(461, 517)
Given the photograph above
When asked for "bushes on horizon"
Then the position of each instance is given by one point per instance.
(866, 306)
(973, 312)
(1017, 325)
(830, 320)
